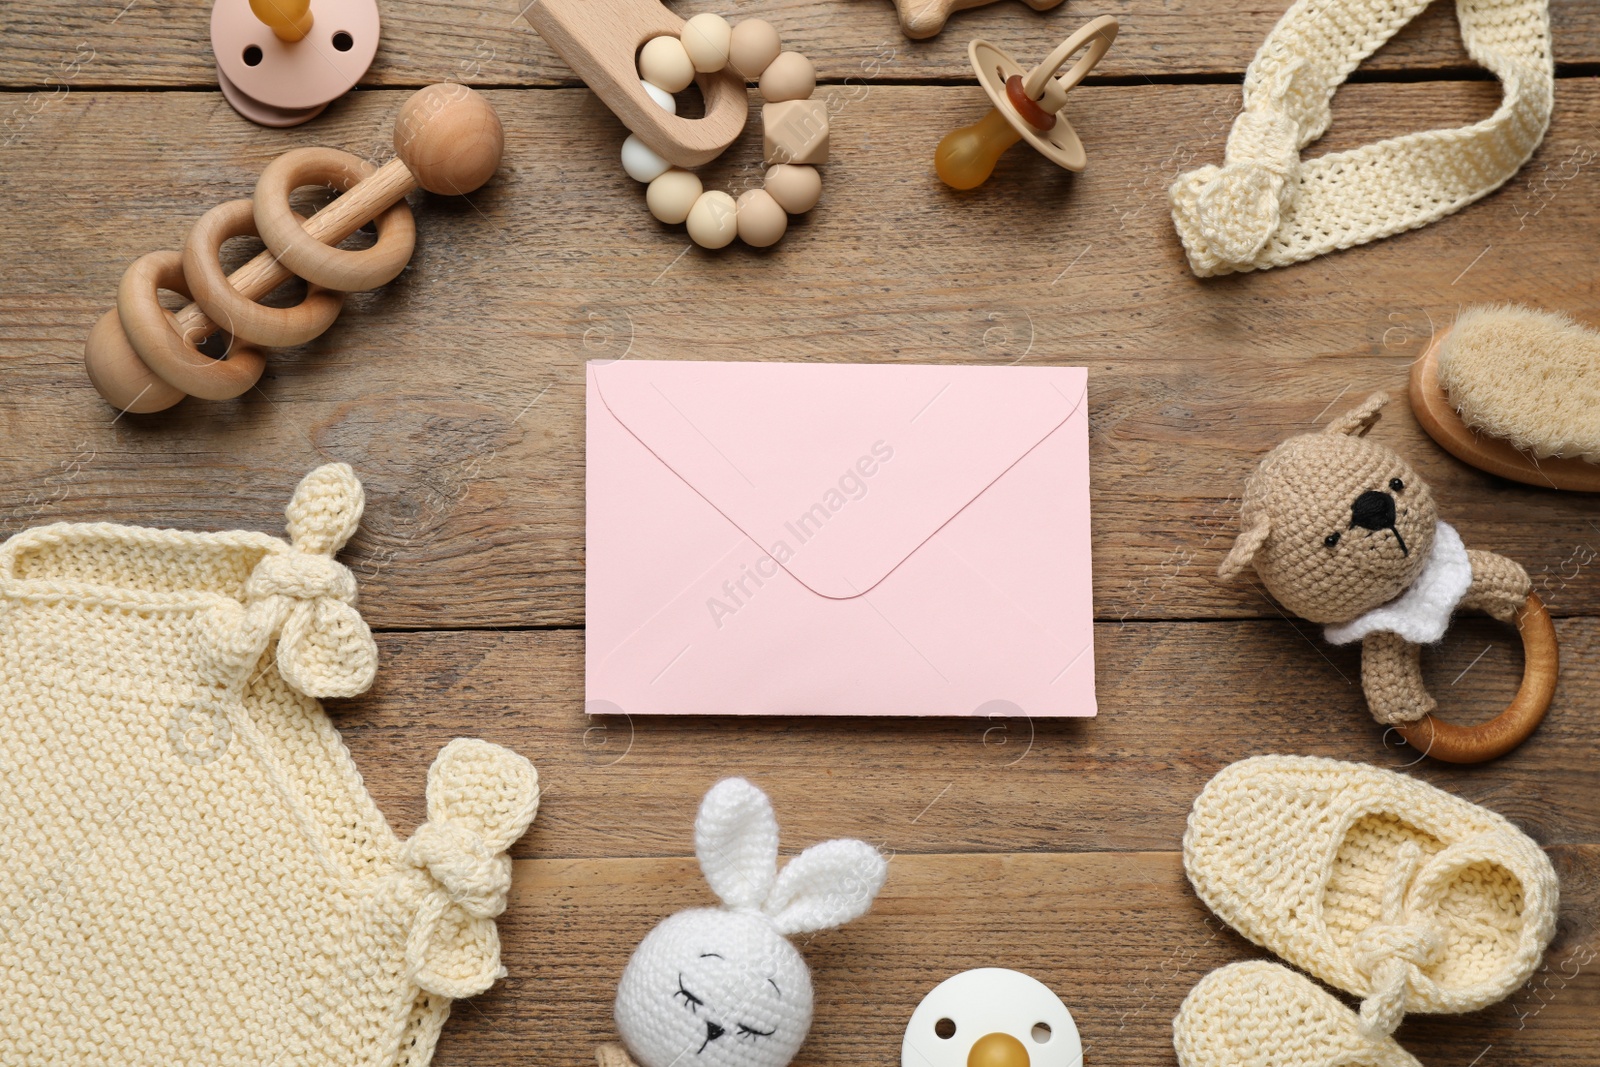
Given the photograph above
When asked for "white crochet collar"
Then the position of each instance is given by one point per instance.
(1422, 613)
(1265, 207)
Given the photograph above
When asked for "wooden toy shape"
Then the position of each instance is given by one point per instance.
(280, 62)
(600, 40)
(1026, 107)
(925, 18)
(144, 358)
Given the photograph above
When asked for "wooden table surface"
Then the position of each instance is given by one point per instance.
(457, 394)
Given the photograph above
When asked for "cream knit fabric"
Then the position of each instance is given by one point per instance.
(1265, 207)
(1375, 883)
(192, 872)
(1263, 1013)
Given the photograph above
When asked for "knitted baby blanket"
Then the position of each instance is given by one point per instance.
(191, 871)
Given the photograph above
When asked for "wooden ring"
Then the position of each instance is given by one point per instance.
(248, 320)
(1027, 107)
(152, 330)
(1486, 741)
(118, 373)
(283, 229)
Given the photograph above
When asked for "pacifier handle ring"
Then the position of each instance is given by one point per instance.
(1098, 34)
(1488, 740)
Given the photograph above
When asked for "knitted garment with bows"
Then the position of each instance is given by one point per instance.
(1265, 207)
(193, 872)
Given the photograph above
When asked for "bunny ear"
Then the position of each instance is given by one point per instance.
(1245, 547)
(825, 886)
(1356, 423)
(736, 840)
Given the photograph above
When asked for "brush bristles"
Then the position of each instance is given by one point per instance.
(1528, 377)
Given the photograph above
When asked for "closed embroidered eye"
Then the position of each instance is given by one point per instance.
(1332, 539)
(752, 1033)
(1397, 485)
(690, 1001)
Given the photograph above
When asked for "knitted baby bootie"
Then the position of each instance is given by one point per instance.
(1379, 885)
(1263, 1013)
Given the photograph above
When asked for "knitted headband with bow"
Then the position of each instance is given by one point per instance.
(1265, 207)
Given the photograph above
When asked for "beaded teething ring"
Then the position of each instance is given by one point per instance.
(795, 132)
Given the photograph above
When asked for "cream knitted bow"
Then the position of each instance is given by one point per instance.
(305, 598)
(1265, 207)
(481, 798)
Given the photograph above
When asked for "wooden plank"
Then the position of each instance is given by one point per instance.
(113, 43)
(1178, 702)
(457, 390)
(1119, 937)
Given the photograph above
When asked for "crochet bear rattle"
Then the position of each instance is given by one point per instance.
(1342, 531)
(723, 987)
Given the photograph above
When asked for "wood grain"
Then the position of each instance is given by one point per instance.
(113, 43)
(1179, 700)
(456, 391)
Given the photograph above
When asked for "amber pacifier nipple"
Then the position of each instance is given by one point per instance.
(280, 62)
(1027, 106)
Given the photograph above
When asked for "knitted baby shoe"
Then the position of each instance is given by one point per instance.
(1263, 1013)
(1375, 883)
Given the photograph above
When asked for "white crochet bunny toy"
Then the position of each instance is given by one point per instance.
(723, 987)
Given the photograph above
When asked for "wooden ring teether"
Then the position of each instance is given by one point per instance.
(283, 228)
(1486, 741)
(248, 320)
(142, 358)
(155, 335)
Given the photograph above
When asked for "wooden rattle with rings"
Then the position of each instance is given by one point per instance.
(142, 357)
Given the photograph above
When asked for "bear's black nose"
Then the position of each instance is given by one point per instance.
(713, 1031)
(1373, 511)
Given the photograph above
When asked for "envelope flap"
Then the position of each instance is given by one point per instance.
(838, 471)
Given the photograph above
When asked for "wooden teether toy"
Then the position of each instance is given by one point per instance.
(1342, 531)
(601, 40)
(1515, 392)
(1027, 107)
(144, 358)
(925, 18)
(280, 62)
(794, 132)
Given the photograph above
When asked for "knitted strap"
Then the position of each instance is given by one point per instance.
(1265, 207)
(1394, 949)
(481, 798)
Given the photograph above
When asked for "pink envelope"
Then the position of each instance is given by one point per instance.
(825, 539)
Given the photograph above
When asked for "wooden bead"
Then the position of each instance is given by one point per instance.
(796, 189)
(663, 62)
(714, 220)
(706, 38)
(752, 48)
(762, 221)
(119, 375)
(449, 138)
(795, 131)
(640, 162)
(789, 77)
(671, 196)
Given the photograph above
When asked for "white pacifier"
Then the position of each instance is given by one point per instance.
(991, 1017)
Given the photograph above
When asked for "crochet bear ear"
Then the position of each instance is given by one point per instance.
(736, 841)
(1356, 423)
(1245, 547)
(825, 886)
